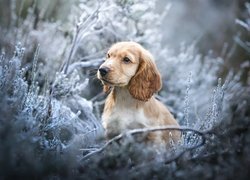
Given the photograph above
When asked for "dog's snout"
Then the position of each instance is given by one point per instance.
(103, 71)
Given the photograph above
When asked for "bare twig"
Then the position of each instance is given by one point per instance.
(86, 64)
(96, 55)
(79, 28)
(243, 24)
(101, 94)
(242, 44)
(147, 130)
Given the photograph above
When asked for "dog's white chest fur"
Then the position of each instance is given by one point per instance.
(124, 116)
(127, 118)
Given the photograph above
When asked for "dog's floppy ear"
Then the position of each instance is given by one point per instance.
(147, 79)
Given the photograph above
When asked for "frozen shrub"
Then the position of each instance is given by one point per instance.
(36, 126)
(184, 75)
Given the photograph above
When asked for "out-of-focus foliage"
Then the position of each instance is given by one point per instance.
(37, 128)
(47, 125)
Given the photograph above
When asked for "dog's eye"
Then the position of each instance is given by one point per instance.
(108, 55)
(126, 60)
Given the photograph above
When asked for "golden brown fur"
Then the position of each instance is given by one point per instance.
(130, 73)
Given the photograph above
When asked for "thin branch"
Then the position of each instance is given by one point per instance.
(65, 65)
(243, 24)
(168, 160)
(96, 55)
(242, 44)
(79, 29)
(85, 64)
(101, 94)
(146, 130)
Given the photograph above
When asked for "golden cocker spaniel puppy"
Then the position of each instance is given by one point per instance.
(131, 75)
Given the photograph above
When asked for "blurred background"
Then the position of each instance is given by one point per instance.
(51, 100)
(210, 24)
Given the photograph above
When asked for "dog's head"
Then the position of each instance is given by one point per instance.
(129, 65)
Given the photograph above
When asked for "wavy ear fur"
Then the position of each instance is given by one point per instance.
(147, 80)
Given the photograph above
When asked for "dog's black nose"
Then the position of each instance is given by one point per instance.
(103, 71)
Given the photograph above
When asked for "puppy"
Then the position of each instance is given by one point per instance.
(130, 74)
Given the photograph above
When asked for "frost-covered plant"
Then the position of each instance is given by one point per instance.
(36, 126)
(184, 76)
(102, 24)
(192, 89)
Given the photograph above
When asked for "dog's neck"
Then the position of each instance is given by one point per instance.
(124, 98)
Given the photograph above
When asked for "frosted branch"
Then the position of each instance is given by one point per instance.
(79, 27)
(147, 130)
(84, 64)
(243, 24)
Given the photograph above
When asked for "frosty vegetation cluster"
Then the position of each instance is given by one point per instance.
(51, 102)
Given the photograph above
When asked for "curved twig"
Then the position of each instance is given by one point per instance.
(146, 130)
